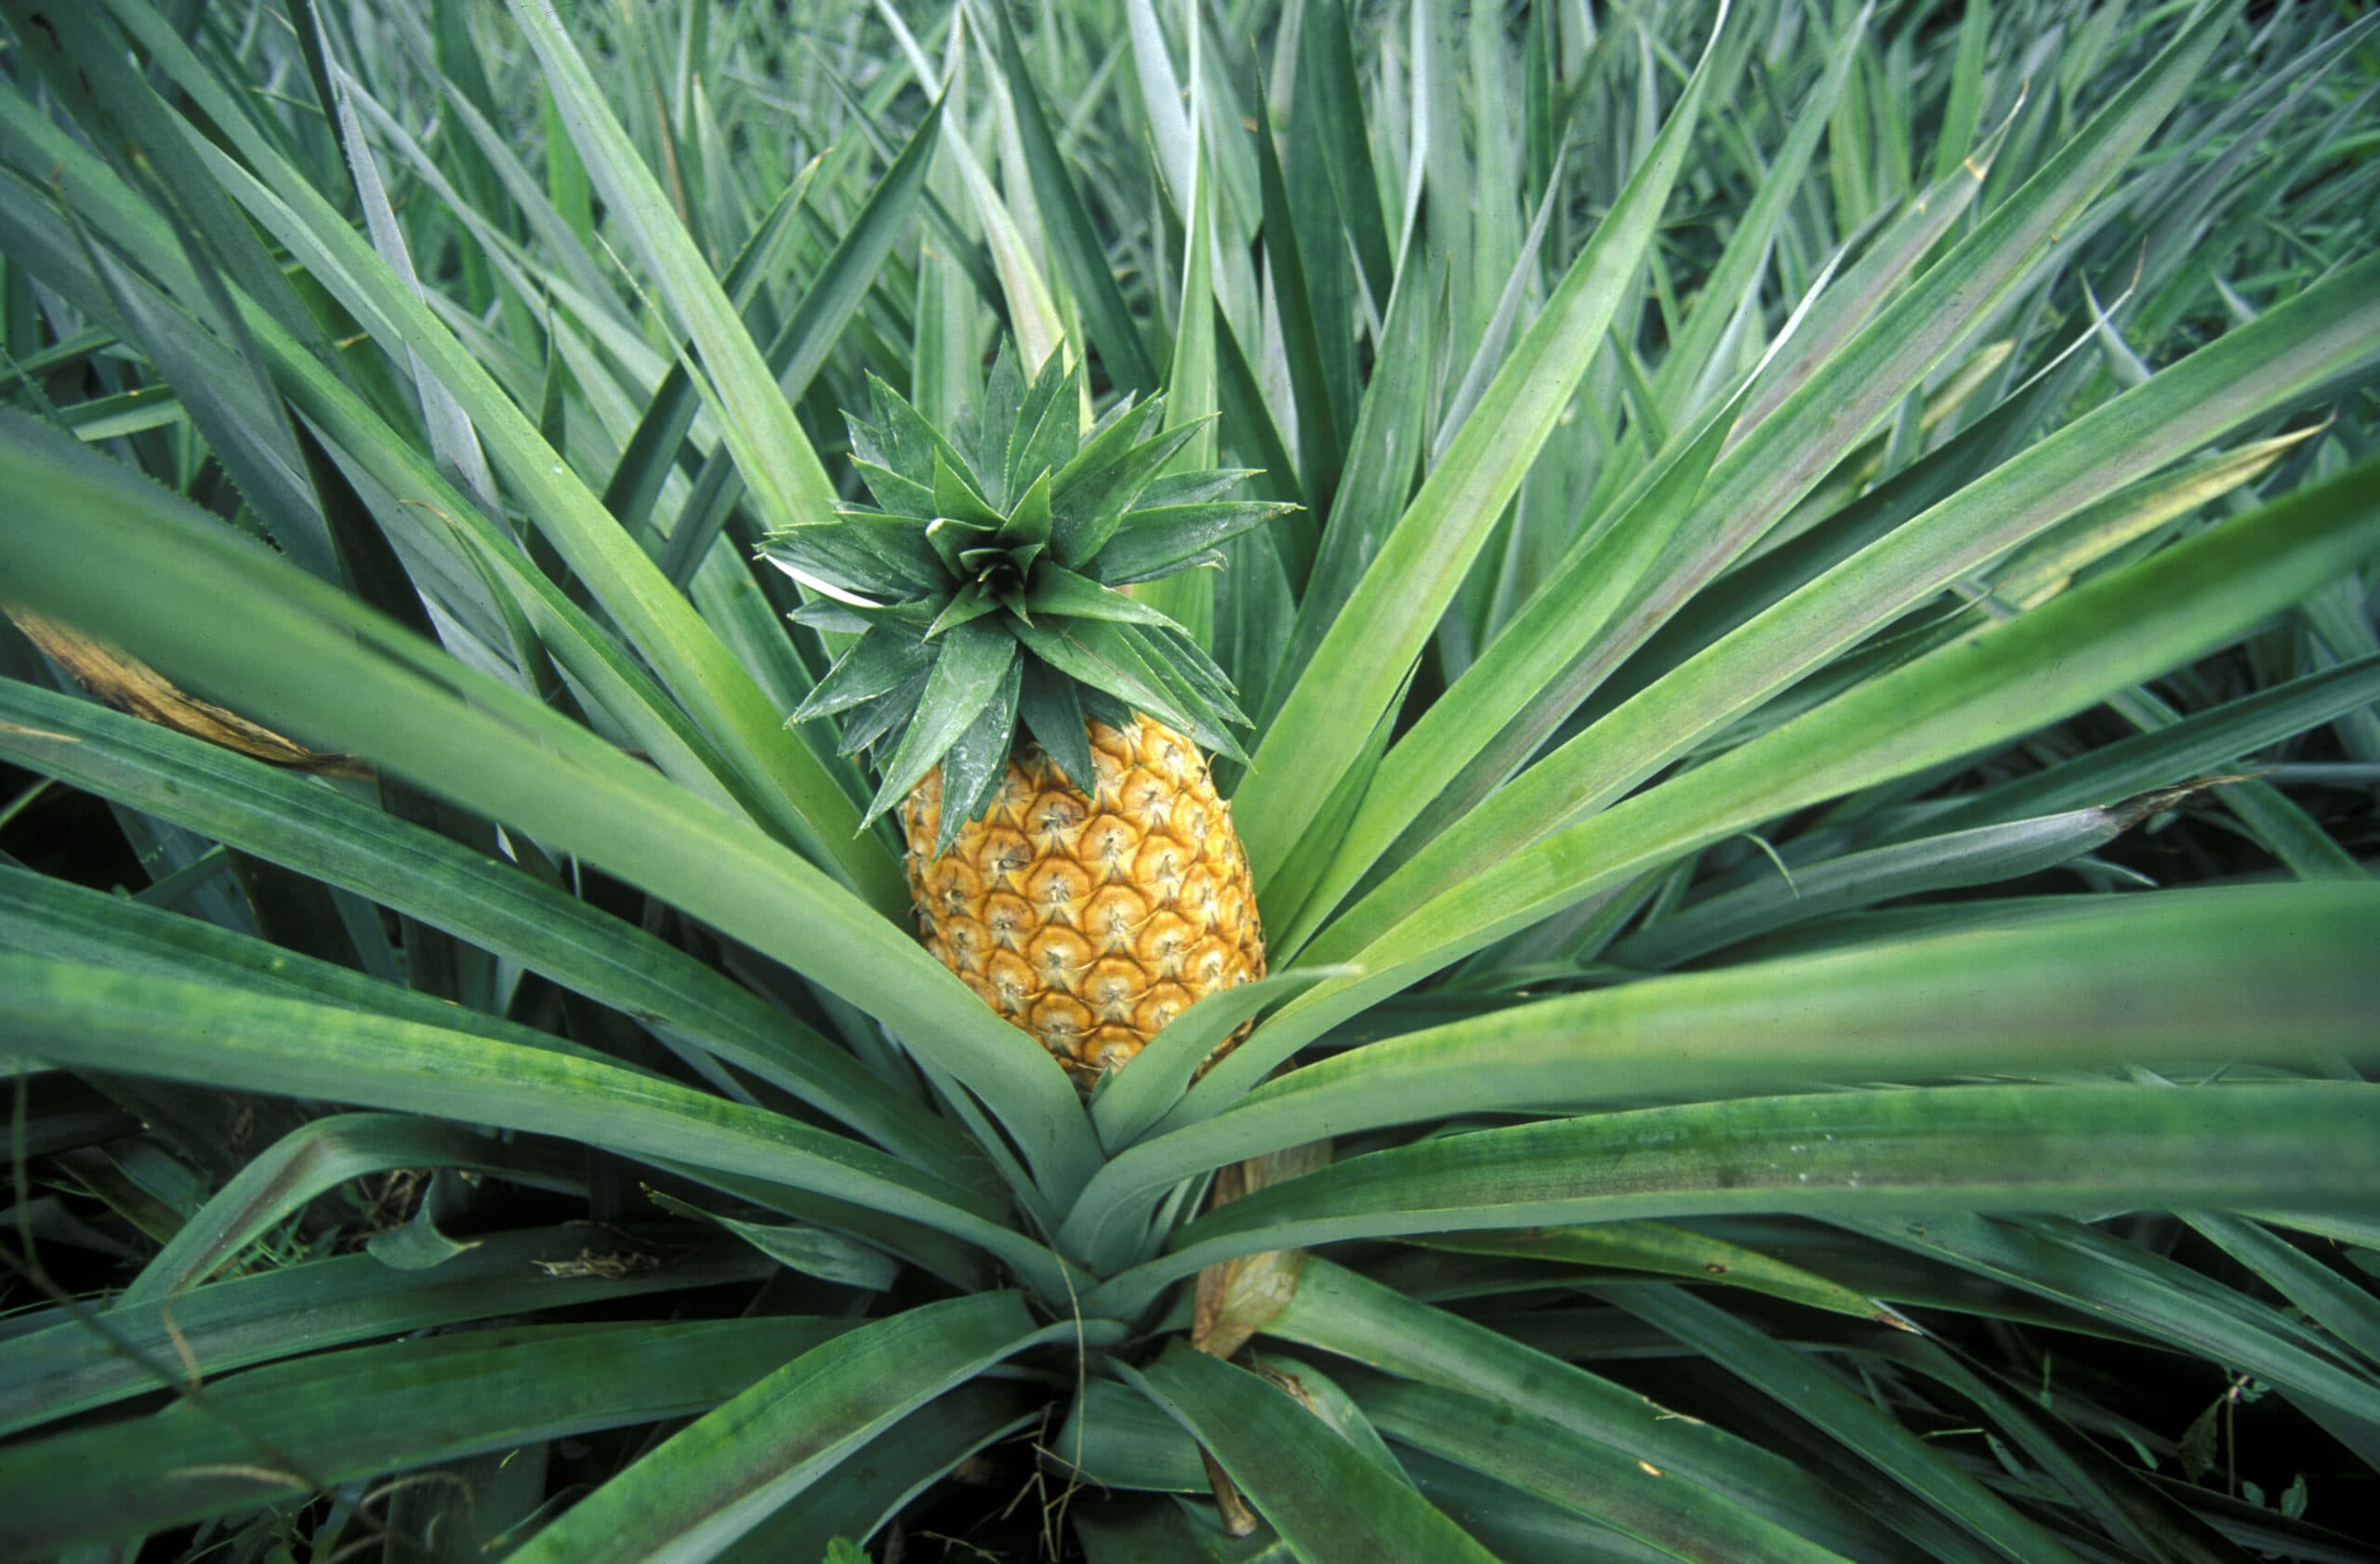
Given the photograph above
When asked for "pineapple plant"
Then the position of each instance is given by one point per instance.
(1035, 726)
(1791, 686)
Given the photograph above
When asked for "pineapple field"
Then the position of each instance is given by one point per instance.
(1189, 781)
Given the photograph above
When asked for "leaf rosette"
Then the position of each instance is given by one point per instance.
(985, 588)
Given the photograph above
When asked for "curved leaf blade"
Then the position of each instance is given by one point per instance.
(1331, 1502)
(286, 1430)
(702, 1489)
(2083, 1149)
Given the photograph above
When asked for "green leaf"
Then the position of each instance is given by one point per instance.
(1074, 244)
(1320, 454)
(1626, 1492)
(1796, 1381)
(1982, 1147)
(314, 1159)
(1515, 684)
(1118, 1439)
(1981, 690)
(1671, 1250)
(1362, 662)
(878, 663)
(1107, 478)
(419, 1243)
(842, 559)
(1048, 428)
(779, 780)
(1341, 1311)
(967, 605)
(2117, 1494)
(1052, 714)
(1949, 861)
(1096, 653)
(1060, 593)
(1131, 1101)
(2348, 1312)
(48, 917)
(2196, 976)
(2118, 1284)
(874, 1484)
(1190, 389)
(977, 760)
(452, 439)
(775, 457)
(313, 829)
(283, 1432)
(2280, 358)
(84, 61)
(801, 346)
(702, 1487)
(1159, 540)
(1028, 518)
(976, 660)
(958, 495)
(1334, 111)
(56, 1371)
(1329, 1501)
(1161, 98)
(812, 1250)
(2214, 739)
(287, 1047)
(1689, 357)
(1780, 458)
(649, 454)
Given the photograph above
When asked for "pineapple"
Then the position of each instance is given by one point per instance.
(1043, 733)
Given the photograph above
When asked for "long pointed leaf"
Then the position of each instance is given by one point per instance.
(1362, 662)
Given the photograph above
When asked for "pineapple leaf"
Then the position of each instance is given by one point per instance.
(907, 444)
(896, 494)
(1267, 1441)
(1060, 591)
(1028, 520)
(1046, 432)
(1081, 258)
(1320, 452)
(953, 539)
(1340, 696)
(876, 663)
(972, 772)
(997, 417)
(1153, 541)
(833, 559)
(1091, 473)
(1056, 719)
(957, 497)
(972, 603)
(786, 1431)
(1099, 498)
(1191, 488)
(882, 717)
(974, 664)
(1098, 654)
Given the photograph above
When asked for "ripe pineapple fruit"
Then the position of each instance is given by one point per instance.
(1090, 919)
(1040, 729)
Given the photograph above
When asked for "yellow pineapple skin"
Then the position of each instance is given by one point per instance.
(1090, 919)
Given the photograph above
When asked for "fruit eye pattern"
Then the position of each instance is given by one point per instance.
(1119, 931)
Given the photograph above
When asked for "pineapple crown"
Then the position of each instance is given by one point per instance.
(982, 587)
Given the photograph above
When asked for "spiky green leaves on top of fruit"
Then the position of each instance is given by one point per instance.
(983, 585)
